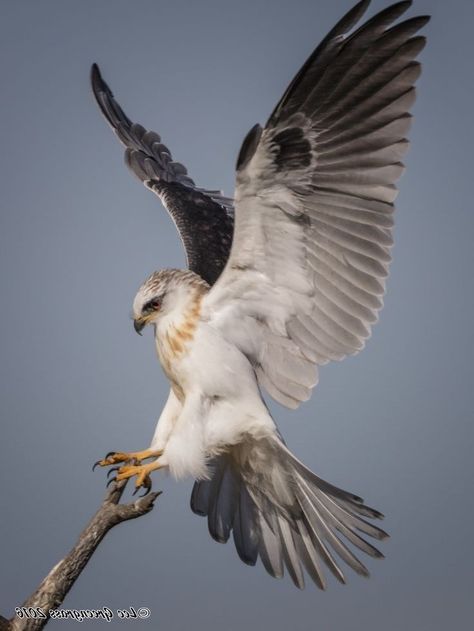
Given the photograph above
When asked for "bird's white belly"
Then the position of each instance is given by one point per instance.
(219, 393)
(194, 354)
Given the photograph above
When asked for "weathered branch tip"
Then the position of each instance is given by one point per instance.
(55, 586)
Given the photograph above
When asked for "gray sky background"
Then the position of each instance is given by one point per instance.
(78, 234)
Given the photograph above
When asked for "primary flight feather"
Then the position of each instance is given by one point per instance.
(284, 279)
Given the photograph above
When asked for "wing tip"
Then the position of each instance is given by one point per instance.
(350, 18)
(422, 20)
(101, 91)
(97, 82)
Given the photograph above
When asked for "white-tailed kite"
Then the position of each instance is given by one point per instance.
(283, 279)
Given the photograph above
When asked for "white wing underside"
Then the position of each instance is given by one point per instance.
(314, 201)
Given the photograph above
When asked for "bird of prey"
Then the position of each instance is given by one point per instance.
(283, 279)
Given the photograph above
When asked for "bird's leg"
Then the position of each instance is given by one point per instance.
(142, 471)
(114, 457)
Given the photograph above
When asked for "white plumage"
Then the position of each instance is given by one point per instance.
(302, 285)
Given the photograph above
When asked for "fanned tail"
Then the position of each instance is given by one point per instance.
(280, 511)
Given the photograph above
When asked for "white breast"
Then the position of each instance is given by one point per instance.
(174, 337)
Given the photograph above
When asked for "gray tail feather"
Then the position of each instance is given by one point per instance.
(311, 527)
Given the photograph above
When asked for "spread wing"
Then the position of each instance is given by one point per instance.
(203, 218)
(314, 203)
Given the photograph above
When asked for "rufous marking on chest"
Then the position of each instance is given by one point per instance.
(176, 340)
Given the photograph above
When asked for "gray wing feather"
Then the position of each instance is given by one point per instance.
(286, 515)
(314, 515)
(270, 549)
(290, 554)
(308, 555)
(316, 189)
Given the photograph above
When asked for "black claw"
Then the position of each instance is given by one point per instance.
(111, 470)
(111, 453)
(146, 486)
(110, 482)
(147, 490)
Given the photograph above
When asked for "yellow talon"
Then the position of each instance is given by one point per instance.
(141, 471)
(115, 457)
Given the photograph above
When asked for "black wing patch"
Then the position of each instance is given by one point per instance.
(248, 146)
(293, 149)
(206, 230)
(203, 218)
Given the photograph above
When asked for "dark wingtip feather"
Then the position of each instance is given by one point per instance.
(97, 82)
(382, 535)
(104, 97)
(383, 18)
(408, 27)
(350, 18)
(99, 87)
(421, 20)
(401, 6)
(375, 513)
(343, 26)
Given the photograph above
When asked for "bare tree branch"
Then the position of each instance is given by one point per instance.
(4, 624)
(55, 586)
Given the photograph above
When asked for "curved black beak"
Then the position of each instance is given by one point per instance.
(139, 325)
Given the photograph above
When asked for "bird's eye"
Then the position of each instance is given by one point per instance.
(151, 305)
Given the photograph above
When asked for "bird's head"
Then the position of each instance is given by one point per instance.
(163, 293)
